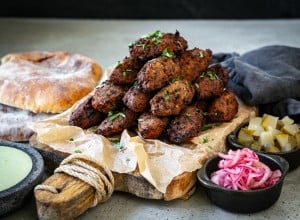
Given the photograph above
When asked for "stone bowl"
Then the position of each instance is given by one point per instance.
(15, 196)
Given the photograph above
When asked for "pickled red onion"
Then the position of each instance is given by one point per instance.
(242, 170)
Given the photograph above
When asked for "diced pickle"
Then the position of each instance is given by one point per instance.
(245, 138)
(269, 121)
(270, 134)
(290, 129)
(286, 120)
(282, 139)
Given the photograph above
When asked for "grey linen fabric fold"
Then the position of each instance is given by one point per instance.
(268, 77)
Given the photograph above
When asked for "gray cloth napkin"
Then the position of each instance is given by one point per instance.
(268, 77)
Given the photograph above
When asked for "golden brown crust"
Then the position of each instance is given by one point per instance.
(46, 82)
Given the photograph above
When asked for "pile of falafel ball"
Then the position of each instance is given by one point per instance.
(162, 90)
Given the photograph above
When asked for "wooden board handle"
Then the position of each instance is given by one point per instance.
(68, 195)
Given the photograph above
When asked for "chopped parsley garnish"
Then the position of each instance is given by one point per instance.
(205, 114)
(211, 75)
(124, 73)
(177, 78)
(113, 115)
(206, 127)
(166, 53)
(130, 45)
(155, 37)
(118, 64)
(77, 151)
(205, 140)
(116, 143)
(141, 45)
(167, 95)
(135, 83)
(71, 139)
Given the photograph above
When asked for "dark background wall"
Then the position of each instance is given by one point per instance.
(156, 9)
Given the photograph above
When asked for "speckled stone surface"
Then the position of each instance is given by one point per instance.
(14, 197)
(107, 41)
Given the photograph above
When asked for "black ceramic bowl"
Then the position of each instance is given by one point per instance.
(14, 197)
(243, 201)
(291, 156)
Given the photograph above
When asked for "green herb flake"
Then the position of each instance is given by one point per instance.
(135, 83)
(113, 115)
(124, 73)
(206, 127)
(205, 140)
(77, 151)
(118, 64)
(71, 139)
(166, 53)
(141, 45)
(210, 147)
(205, 114)
(209, 74)
(130, 45)
(167, 95)
(155, 37)
(116, 143)
(177, 78)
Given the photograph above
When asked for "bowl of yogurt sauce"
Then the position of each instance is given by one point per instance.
(21, 168)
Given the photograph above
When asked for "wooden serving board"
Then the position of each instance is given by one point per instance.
(76, 196)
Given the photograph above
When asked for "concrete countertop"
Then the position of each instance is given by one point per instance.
(106, 41)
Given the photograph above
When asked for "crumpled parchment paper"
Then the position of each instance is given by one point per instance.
(157, 161)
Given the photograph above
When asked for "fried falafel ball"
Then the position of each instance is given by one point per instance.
(136, 100)
(107, 97)
(116, 122)
(193, 62)
(186, 125)
(157, 73)
(154, 44)
(171, 99)
(224, 108)
(126, 71)
(151, 126)
(210, 83)
(85, 116)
